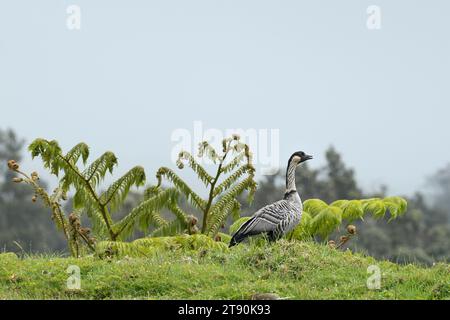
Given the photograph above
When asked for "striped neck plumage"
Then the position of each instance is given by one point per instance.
(290, 177)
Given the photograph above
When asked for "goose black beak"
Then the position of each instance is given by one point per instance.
(306, 158)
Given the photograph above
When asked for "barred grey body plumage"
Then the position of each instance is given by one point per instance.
(279, 218)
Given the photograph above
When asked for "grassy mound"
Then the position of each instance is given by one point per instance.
(292, 270)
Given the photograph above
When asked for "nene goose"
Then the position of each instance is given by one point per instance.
(276, 219)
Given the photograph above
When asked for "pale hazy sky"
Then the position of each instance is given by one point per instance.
(138, 70)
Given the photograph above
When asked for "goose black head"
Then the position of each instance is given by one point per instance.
(300, 157)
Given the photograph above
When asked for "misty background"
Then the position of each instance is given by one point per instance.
(138, 70)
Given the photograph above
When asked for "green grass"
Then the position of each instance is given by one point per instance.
(292, 270)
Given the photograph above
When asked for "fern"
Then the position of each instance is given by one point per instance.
(231, 180)
(321, 219)
(326, 221)
(375, 207)
(351, 209)
(174, 227)
(181, 186)
(80, 150)
(148, 208)
(396, 206)
(222, 190)
(314, 206)
(145, 247)
(99, 207)
(96, 172)
(195, 166)
(71, 228)
(118, 191)
(226, 204)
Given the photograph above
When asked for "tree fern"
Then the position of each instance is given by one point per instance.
(98, 206)
(148, 208)
(222, 208)
(181, 186)
(80, 150)
(229, 181)
(96, 172)
(118, 191)
(203, 175)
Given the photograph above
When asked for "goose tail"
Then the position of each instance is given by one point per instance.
(241, 234)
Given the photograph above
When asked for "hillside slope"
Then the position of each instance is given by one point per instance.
(292, 270)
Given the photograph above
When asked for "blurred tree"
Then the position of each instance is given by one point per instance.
(440, 182)
(21, 220)
(341, 180)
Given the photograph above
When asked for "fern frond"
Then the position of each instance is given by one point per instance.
(228, 182)
(375, 207)
(396, 205)
(326, 221)
(120, 249)
(233, 163)
(351, 209)
(220, 210)
(191, 196)
(147, 207)
(153, 218)
(199, 242)
(118, 191)
(174, 227)
(52, 157)
(163, 243)
(206, 149)
(50, 153)
(314, 206)
(147, 246)
(178, 212)
(80, 150)
(217, 219)
(236, 212)
(95, 173)
(83, 199)
(202, 174)
(151, 192)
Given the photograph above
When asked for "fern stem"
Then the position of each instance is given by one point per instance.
(210, 199)
(56, 209)
(211, 191)
(86, 241)
(103, 210)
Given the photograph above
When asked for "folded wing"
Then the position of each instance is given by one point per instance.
(264, 220)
